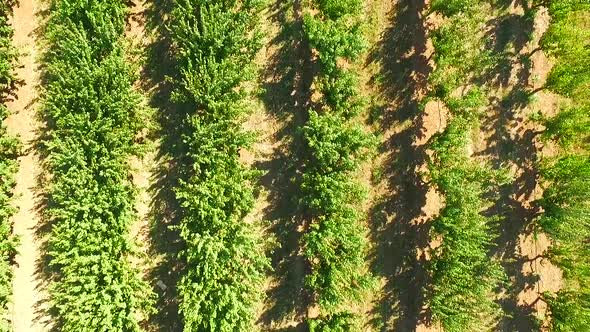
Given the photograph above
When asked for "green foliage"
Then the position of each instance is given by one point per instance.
(468, 105)
(6, 7)
(570, 128)
(334, 39)
(566, 218)
(568, 40)
(341, 322)
(453, 7)
(566, 199)
(458, 54)
(94, 116)
(336, 146)
(567, 221)
(569, 309)
(335, 244)
(214, 44)
(463, 276)
(9, 150)
(341, 93)
(335, 9)
(8, 54)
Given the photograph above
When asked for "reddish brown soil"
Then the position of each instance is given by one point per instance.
(285, 76)
(508, 138)
(533, 247)
(29, 301)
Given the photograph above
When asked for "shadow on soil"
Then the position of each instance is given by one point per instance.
(287, 79)
(510, 34)
(169, 170)
(44, 271)
(398, 229)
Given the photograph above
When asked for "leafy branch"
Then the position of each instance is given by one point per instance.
(94, 116)
(9, 151)
(214, 44)
(566, 200)
(334, 244)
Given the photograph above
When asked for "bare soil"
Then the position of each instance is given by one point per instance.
(29, 307)
(286, 77)
(534, 246)
(144, 168)
(404, 205)
(508, 139)
(141, 167)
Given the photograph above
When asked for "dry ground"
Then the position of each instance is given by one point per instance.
(29, 301)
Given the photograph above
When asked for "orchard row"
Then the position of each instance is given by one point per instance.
(95, 118)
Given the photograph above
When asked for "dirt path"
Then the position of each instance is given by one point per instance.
(286, 77)
(404, 203)
(549, 277)
(508, 138)
(29, 301)
(142, 168)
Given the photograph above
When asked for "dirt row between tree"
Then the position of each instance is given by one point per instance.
(403, 204)
(508, 138)
(29, 307)
(146, 171)
(142, 167)
(285, 64)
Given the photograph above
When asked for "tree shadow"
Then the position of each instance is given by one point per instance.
(43, 203)
(170, 168)
(515, 215)
(510, 33)
(398, 227)
(511, 77)
(287, 79)
(43, 270)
